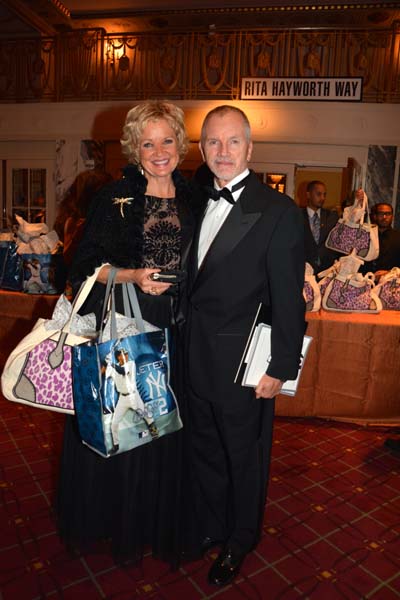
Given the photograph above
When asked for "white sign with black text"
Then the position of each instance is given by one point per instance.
(348, 89)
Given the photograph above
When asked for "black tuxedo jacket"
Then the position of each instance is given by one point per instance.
(318, 255)
(257, 256)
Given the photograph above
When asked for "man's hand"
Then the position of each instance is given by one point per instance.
(268, 387)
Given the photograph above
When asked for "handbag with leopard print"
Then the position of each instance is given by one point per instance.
(352, 293)
(38, 371)
(311, 291)
(388, 289)
(354, 231)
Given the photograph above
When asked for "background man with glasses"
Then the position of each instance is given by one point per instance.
(389, 241)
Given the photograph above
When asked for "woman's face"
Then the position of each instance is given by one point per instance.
(158, 149)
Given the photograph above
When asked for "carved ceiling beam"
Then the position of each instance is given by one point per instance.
(42, 16)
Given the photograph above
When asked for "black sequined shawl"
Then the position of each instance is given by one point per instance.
(115, 238)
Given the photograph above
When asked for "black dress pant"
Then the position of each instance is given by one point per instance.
(231, 442)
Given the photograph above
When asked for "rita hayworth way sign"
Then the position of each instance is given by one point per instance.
(346, 89)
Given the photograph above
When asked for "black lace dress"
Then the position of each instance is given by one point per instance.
(139, 499)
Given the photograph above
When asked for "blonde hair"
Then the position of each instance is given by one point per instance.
(152, 110)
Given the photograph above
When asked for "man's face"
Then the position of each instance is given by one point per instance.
(226, 147)
(123, 358)
(384, 216)
(317, 196)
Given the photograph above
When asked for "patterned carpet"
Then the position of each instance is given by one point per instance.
(331, 529)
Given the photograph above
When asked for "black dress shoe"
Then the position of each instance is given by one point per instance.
(208, 543)
(393, 445)
(225, 567)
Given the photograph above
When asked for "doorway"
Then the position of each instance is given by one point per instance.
(331, 177)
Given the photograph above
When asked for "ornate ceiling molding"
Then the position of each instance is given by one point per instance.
(43, 17)
(338, 14)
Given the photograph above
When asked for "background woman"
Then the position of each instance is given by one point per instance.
(140, 223)
(74, 207)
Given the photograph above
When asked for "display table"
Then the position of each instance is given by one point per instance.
(18, 314)
(352, 369)
(351, 372)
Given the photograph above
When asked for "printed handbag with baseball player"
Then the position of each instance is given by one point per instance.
(122, 393)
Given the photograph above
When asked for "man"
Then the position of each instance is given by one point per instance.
(244, 254)
(123, 375)
(34, 283)
(389, 241)
(318, 222)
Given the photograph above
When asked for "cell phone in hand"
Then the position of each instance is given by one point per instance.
(168, 276)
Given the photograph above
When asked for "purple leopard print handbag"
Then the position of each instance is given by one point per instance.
(353, 232)
(388, 289)
(311, 291)
(39, 370)
(352, 293)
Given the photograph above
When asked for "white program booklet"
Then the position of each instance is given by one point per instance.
(257, 357)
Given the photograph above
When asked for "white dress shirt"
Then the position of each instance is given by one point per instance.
(312, 212)
(214, 217)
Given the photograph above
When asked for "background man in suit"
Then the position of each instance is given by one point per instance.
(389, 241)
(249, 249)
(318, 222)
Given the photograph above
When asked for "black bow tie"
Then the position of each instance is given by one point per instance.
(225, 193)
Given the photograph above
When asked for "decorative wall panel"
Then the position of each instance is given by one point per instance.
(93, 65)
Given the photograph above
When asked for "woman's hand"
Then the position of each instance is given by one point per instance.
(141, 277)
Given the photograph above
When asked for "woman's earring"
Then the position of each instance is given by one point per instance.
(141, 170)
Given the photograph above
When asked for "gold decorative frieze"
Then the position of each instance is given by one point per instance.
(93, 65)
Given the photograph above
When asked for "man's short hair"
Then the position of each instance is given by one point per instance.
(311, 184)
(221, 111)
(378, 204)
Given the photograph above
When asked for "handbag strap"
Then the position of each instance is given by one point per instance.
(130, 302)
(358, 278)
(393, 274)
(82, 296)
(107, 294)
(109, 302)
(133, 299)
(366, 211)
(330, 271)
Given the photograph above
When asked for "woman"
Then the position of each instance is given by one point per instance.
(74, 207)
(140, 224)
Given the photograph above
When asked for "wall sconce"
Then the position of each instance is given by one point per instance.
(277, 181)
(114, 53)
